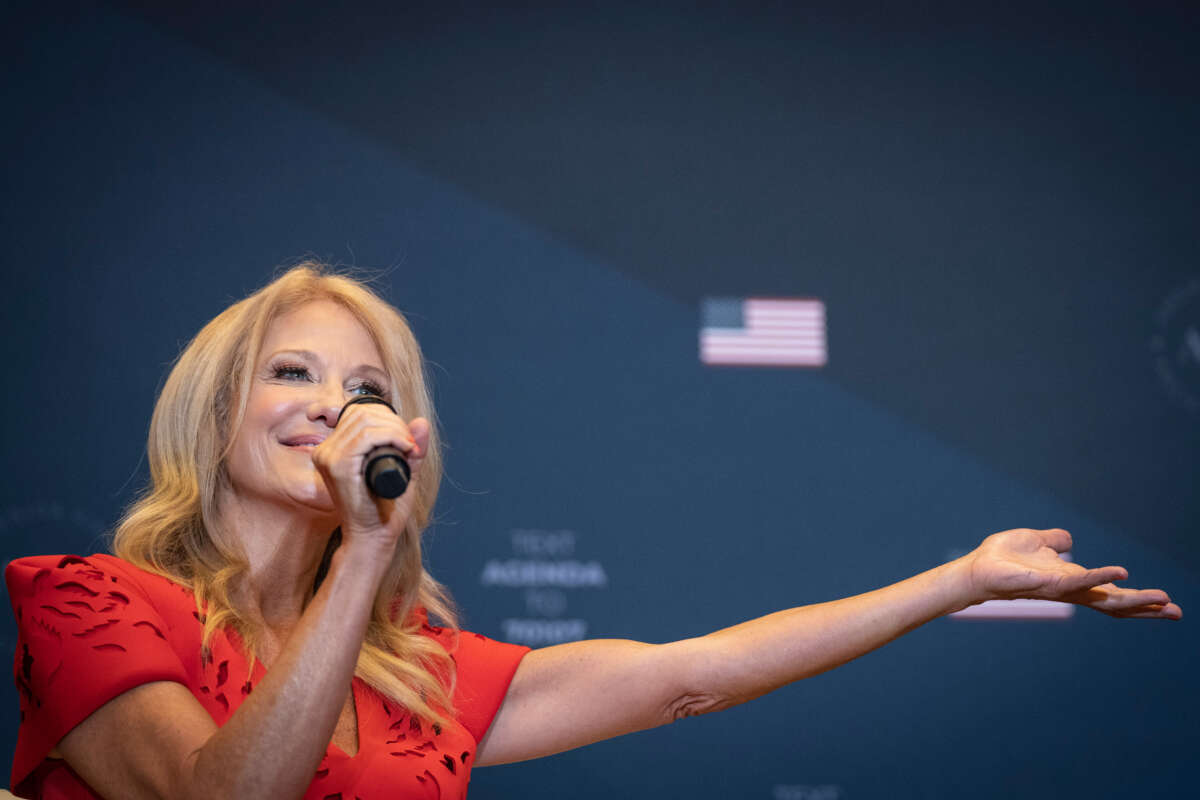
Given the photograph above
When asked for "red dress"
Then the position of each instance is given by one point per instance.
(92, 628)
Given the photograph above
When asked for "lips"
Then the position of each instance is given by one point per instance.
(302, 441)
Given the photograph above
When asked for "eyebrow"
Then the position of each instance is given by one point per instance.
(311, 356)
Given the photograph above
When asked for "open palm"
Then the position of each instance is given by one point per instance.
(1025, 563)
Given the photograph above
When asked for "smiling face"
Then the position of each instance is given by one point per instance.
(313, 359)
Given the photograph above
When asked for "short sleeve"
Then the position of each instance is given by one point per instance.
(86, 633)
(484, 668)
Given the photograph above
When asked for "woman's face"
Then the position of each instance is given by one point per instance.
(313, 360)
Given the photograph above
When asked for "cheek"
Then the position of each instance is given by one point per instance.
(272, 405)
(271, 409)
(268, 413)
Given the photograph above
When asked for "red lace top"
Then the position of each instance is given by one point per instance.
(92, 628)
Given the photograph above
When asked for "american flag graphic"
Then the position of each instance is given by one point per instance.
(763, 331)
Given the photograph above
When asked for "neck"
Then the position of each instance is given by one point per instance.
(283, 546)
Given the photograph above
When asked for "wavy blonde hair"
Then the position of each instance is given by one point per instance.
(173, 528)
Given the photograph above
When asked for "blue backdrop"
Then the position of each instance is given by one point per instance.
(997, 207)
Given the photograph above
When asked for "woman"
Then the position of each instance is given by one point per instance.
(234, 648)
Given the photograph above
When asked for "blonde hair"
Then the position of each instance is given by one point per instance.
(173, 529)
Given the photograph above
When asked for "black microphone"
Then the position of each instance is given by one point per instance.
(386, 472)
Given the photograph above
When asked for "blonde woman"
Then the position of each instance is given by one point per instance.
(233, 647)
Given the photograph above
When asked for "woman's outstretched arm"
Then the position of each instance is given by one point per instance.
(574, 694)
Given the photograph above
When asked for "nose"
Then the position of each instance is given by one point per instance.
(326, 405)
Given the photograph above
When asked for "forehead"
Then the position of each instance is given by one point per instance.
(325, 328)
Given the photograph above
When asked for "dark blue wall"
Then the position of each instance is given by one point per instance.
(997, 206)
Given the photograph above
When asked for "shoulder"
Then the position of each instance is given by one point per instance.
(98, 566)
(88, 629)
(484, 669)
(99, 583)
(475, 649)
(66, 601)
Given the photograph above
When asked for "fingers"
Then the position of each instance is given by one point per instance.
(357, 435)
(1056, 538)
(1134, 598)
(421, 431)
(1101, 575)
(341, 457)
(1085, 579)
(1134, 603)
(1148, 611)
(1168, 611)
(389, 428)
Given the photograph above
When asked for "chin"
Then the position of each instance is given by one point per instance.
(316, 499)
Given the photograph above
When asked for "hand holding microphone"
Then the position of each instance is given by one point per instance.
(354, 462)
(385, 470)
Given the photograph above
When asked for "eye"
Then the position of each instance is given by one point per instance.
(370, 388)
(293, 372)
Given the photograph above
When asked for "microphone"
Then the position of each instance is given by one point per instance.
(386, 472)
